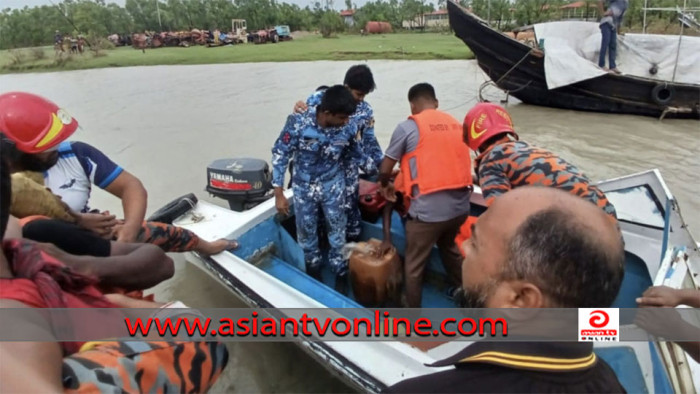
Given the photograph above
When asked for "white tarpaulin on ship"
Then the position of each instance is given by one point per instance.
(572, 50)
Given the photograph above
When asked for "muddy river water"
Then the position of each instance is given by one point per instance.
(165, 124)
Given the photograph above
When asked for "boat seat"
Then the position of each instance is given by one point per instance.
(634, 283)
(624, 362)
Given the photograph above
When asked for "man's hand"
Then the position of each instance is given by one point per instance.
(660, 296)
(388, 192)
(126, 234)
(100, 223)
(656, 321)
(385, 247)
(300, 107)
(281, 202)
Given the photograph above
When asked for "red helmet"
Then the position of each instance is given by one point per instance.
(34, 123)
(483, 122)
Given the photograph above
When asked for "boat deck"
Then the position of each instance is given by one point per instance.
(272, 247)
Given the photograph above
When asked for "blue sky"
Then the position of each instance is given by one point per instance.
(338, 4)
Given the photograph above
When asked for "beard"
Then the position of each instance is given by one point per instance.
(29, 162)
(467, 298)
(474, 297)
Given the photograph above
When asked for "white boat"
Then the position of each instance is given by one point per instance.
(268, 272)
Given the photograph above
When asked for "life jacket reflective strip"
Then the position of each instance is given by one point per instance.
(442, 159)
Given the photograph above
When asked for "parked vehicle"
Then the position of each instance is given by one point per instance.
(239, 32)
(284, 32)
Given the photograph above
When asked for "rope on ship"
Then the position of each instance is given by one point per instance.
(507, 92)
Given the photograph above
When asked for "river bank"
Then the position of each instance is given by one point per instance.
(399, 46)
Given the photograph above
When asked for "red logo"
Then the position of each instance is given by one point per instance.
(229, 185)
(596, 317)
(598, 324)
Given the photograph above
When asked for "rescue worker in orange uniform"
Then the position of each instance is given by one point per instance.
(504, 162)
(436, 176)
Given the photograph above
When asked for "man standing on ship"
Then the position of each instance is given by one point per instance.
(610, 22)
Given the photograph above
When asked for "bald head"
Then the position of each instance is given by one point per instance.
(543, 247)
(521, 203)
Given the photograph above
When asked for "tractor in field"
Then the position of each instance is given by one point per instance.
(273, 35)
(239, 32)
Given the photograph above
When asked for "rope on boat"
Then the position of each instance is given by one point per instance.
(460, 105)
(508, 92)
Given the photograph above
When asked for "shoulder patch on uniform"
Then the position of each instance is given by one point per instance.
(286, 137)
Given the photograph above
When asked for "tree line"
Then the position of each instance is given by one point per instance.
(36, 26)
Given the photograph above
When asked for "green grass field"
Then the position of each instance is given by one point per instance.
(404, 46)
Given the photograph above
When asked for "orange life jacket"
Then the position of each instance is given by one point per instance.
(442, 159)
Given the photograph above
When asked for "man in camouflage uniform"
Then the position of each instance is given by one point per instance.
(505, 163)
(360, 81)
(317, 140)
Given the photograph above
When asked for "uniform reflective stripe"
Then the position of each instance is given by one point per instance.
(538, 362)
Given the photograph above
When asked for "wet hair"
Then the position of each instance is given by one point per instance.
(21, 161)
(359, 77)
(5, 193)
(8, 150)
(566, 259)
(338, 100)
(421, 90)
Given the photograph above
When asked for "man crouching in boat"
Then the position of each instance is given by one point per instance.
(317, 140)
(504, 162)
(535, 247)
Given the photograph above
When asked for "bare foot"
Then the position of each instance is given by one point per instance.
(215, 247)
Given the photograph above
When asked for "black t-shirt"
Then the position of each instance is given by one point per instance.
(517, 367)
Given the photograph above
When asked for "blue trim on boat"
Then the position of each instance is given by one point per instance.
(667, 229)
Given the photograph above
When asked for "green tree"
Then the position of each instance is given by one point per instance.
(331, 23)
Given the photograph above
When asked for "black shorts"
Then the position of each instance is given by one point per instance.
(69, 237)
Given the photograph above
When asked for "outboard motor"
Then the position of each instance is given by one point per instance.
(243, 182)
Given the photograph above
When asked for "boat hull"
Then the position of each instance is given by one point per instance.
(514, 68)
(373, 366)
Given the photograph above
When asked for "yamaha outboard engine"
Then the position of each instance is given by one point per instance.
(243, 182)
